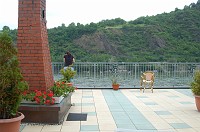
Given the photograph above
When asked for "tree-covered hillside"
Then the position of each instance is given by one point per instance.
(172, 37)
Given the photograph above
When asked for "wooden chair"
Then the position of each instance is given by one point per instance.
(147, 78)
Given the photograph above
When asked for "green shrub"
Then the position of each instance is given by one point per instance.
(68, 74)
(11, 80)
(195, 85)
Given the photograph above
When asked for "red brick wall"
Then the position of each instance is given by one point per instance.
(32, 43)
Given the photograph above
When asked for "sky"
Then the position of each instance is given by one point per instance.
(60, 12)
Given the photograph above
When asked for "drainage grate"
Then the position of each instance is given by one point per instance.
(77, 117)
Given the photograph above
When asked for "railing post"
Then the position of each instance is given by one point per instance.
(94, 70)
(135, 71)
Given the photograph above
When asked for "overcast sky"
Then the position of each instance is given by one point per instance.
(87, 11)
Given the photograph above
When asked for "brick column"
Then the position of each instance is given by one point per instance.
(32, 43)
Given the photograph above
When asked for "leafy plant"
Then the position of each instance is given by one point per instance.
(114, 81)
(11, 80)
(68, 74)
(61, 88)
(115, 84)
(195, 85)
(41, 97)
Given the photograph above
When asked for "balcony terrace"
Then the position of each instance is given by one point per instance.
(171, 108)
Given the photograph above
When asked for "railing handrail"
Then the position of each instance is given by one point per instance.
(97, 74)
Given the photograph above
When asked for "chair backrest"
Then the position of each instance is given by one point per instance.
(148, 75)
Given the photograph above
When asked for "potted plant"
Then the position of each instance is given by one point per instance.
(195, 87)
(61, 90)
(68, 75)
(39, 97)
(115, 85)
(11, 86)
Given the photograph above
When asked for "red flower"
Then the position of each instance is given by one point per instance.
(44, 97)
(57, 84)
(41, 97)
(50, 94)
(52, 101)
(37, 100)
(47, 101)
(38, 93)
(25, 93)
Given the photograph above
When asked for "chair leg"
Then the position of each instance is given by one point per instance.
(141, 84)
(152, 87)
(144, 87)
(140, 87)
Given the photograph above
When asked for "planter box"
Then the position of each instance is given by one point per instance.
(50, 114)
(58, 99)
(28, 102)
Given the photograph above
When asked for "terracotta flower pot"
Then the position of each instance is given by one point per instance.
(197, 101)
(115, 86)
(11, 125)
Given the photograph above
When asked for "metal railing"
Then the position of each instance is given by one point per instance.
(99, 74)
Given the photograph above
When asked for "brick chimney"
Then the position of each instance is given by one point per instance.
(32, 43)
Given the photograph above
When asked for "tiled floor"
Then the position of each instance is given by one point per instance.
(129, 110)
